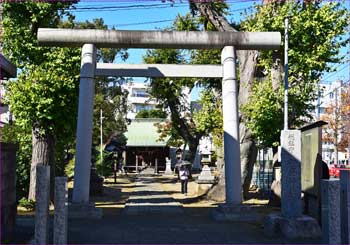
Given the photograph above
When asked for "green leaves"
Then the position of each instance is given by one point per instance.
(316, 34)
(265, 115)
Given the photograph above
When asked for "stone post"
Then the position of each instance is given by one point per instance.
(8, 202)
(156, 166)
(168, 167)
(137, 165)
(345, 206)
(231, 127)
(84, 128)
(291, 173)
(330, 193)
(42, 194)
(61, 211)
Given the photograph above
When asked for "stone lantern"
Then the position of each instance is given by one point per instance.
(205, 175)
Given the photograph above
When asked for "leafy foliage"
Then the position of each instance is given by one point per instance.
(315, 38)
(209, 119)
(265, 113)
(337, 115)
(45, 95)
(21, 21)
(114, 109)
(22, 136)
(27, 204)
(154, 113)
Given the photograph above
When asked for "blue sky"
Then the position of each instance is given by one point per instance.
(155, 14)
(138, 15)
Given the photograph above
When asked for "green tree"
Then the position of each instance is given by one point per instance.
(171, 93)
(154, 113)
(45, 95)
(315, 38)
(254, 64)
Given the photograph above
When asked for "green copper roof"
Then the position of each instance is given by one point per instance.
(142, 132)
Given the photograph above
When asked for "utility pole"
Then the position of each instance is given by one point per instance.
(101, 141)
(348, 124)
(318, 102)
(286, 25)
(336, 118)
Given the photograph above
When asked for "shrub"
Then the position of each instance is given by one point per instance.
(27, 204)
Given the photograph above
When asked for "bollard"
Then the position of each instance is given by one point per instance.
(42, 195)
(61, 211)
(156, 166)
(115, 171)
(137, 165)
(345, 206)
(330, 193)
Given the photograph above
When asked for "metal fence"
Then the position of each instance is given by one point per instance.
(263, 171)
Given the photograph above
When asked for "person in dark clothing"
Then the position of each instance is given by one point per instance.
(325, 170)
(184, 173)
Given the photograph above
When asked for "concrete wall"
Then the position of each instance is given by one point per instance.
(8, 190)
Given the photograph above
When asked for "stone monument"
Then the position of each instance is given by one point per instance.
(291, 223)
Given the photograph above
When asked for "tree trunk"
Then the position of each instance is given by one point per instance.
(247, 60)
(193, 149)
(42, 154)
(249, 153)
(277, 70)
(275, 162)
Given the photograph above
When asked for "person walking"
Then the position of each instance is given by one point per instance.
(184, 173)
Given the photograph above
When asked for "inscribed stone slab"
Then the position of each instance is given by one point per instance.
(291, 173)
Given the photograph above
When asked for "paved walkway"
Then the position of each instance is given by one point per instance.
(149, 198)
(152, 216)
(145, 211)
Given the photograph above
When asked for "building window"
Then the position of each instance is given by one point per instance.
(140, 93)
(331, 95)
(141, 107)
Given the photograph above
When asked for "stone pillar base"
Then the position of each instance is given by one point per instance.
(292, 228)
(84, 211)
(226, 212)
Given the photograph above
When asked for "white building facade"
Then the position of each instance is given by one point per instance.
(138, 98)
(329, 95)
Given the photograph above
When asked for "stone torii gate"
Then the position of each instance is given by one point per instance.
(92, 39)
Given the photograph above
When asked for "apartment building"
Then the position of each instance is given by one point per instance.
(329, 95)
(138, 98)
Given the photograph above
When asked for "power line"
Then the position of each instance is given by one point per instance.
(143, 23)
(333, 74)
(334, 89)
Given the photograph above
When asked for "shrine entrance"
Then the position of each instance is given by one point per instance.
(92, 39)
